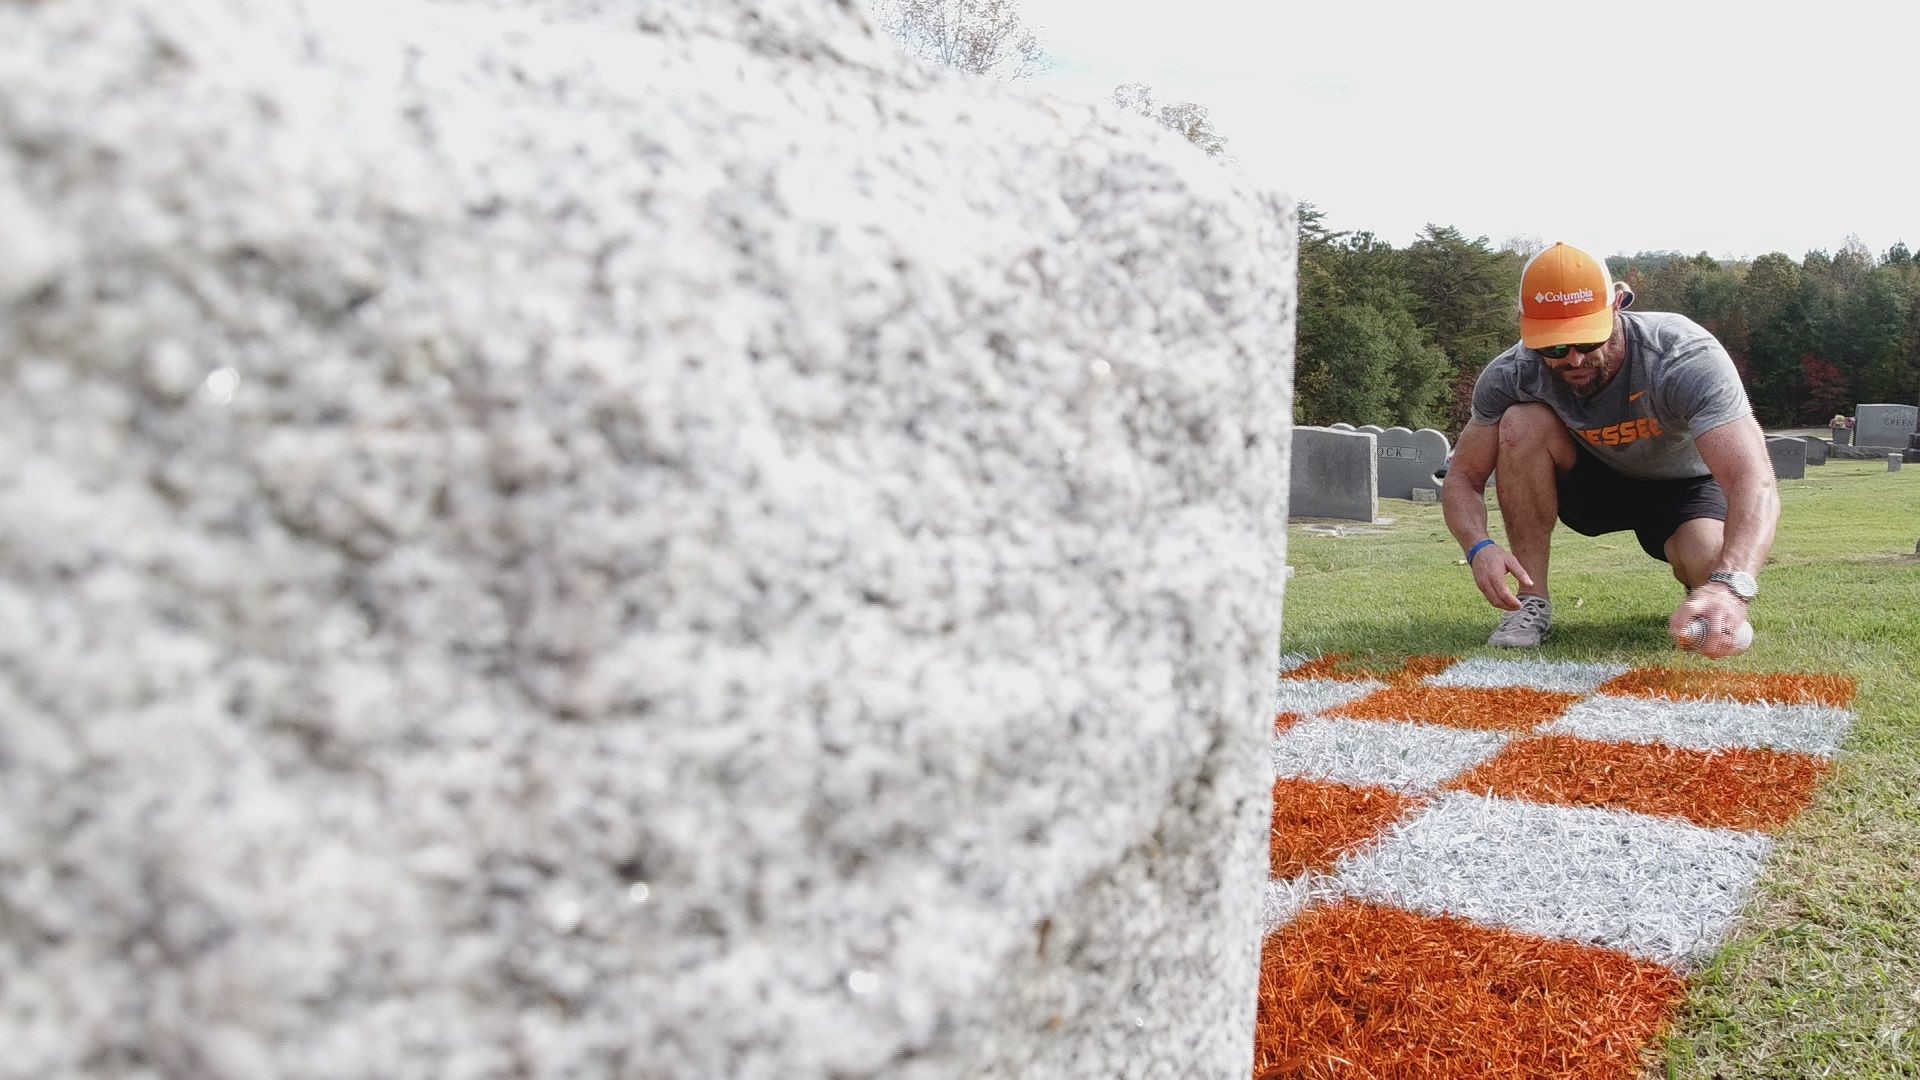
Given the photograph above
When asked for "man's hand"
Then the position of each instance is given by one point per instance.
(1491, 569)
(1723, 612)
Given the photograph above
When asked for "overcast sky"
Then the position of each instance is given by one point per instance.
(1625, 126)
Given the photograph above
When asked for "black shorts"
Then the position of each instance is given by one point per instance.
(1596, 500)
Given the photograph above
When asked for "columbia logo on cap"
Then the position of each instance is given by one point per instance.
(1580, 297)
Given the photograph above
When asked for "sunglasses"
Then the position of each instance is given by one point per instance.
(1559, 352)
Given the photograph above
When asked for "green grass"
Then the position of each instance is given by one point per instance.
(1822, 978)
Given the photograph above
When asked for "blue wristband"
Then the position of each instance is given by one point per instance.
(1475, 550)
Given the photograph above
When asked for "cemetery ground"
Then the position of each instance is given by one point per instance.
(1821, 976)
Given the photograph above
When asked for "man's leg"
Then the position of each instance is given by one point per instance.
(1692, 549)
(1534, 450)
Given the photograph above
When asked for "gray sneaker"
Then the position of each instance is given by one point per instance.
(1526, 628)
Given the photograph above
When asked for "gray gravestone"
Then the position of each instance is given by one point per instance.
(1894, 460)
(1371, 429)
(522, 554)
(1789, 457)
(1333, 474)
(1816, 450)
(1408, 460)
(1341, 426)
(1842, 436)
(1884, 425)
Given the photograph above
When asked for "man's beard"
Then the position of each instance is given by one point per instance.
(1596, 382)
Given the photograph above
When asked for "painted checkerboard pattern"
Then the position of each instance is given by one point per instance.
(1507, 867)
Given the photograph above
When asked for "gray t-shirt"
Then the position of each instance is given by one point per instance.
(1677, 383)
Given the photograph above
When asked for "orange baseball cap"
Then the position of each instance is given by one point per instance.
(1566, 298)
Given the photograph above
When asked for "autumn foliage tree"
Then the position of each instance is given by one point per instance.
(1823, 389)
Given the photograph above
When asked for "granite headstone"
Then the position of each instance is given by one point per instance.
(1334, 474)
(1408, 460)
(578, 539)
(1884, 425)
(1789, 457)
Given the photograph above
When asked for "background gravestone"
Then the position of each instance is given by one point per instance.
(574, 539)
(1816, 450)
(1371, 429)
(1789, 457)
(1333, 474)
(1408, 460)
(1885, 425)
(1341, 426)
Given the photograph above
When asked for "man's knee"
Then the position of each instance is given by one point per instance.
(1534, 431)
(1692, 549)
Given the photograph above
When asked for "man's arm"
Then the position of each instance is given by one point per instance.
(1736, 453)
(1463, 502)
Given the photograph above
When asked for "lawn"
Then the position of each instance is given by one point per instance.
(1823, 977)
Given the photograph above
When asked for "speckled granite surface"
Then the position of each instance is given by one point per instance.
(574, 539)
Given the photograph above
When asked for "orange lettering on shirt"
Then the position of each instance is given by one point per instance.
(1624, 433)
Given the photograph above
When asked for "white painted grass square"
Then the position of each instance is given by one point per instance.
(1401, 756)
(1657, 888)
(1309, 696)
(1705, 725)
(1554, 676)
(1287, 897)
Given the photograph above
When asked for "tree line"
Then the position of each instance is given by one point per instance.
(1397, 335)
(1390, 335)
(1812, 337)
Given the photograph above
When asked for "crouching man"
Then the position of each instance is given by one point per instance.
(1610, 420)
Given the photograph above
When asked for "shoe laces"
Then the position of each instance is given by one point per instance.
(1534, 612)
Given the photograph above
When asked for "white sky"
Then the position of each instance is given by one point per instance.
(1735, 129)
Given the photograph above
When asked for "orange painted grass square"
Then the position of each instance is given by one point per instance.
(1417, 668)
(1284, 720)
(1342, 667)
(1361, 990)
(1505, 709)
(1759, 790)
(1314, 823)
(1751, 689)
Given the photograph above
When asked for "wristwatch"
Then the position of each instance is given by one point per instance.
(1740, 582)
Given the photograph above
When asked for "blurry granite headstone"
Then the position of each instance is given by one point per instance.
(1885, 425)
(593, 539)
(1788, 455)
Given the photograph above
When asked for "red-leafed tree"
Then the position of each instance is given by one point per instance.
(1823, 390)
